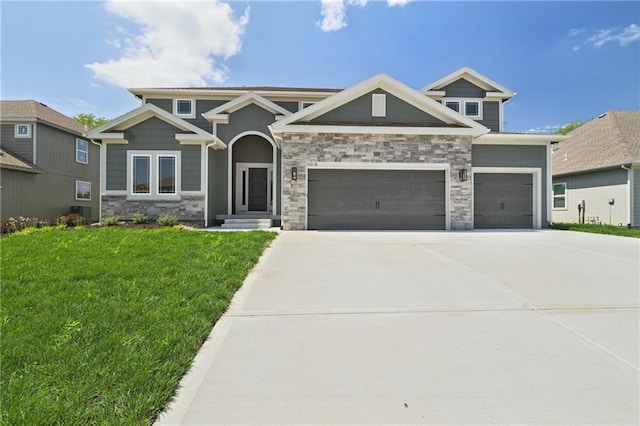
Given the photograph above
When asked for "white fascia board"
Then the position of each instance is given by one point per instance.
(241, 102)
(228, 93)
(498, 95)
(191, 139)
(111, 137)
(379, 130)
(517, 139)
(471, 75)
(217, 118)
(436, 93)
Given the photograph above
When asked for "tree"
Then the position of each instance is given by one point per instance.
(89, 120)
(568, 128)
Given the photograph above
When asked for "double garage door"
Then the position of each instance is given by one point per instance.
(411, 200)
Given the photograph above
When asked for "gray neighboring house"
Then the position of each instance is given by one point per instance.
(47, 165)
(599, 165)
(378, 155)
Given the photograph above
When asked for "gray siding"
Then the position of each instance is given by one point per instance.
(165, 104)
(515, 156)
(116, 167)
(191, 168)
(289, 106)
(359, 111)
(202, 106)
(590, 180)
(491, 116)
(217, 184)
(463, 89)
(21, 146)
(636, 198)
(251, 117)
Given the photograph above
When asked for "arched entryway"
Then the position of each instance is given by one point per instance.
(252, 167)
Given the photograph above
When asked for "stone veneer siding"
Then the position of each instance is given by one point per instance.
(188, 208)
(299, 150)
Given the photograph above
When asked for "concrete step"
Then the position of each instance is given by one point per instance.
(247, 224)
(250, 221)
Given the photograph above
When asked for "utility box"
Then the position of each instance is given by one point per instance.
(84, 211)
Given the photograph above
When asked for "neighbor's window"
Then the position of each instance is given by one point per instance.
(166, 175)
(83, 190)
(454, 105)
(559, 195)
(23, 131)
(82, 151)
(141, 174)
(184, 108)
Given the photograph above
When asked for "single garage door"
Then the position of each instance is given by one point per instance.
(376, 199)
(503, 200)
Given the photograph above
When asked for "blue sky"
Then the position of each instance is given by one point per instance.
(565, 60)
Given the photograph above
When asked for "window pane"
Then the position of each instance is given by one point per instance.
(559, 202)
(167, 175)
(141, 175)
(471, 108)
(453, 105)
(81, 157)
(559, 189)
(23, 130)
(83, 190)
(184, 107)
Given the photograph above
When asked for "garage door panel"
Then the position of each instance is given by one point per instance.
(503, 200)
(376, 199)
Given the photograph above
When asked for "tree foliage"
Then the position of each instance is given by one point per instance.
(568, 128)
(90, 120)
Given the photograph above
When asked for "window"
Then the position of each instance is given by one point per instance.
(141, 174)
(471, 108)
(379, 105)
(166, 175)
(184, 108)
(23, 131)
(559, 195)
(454, 105)
(82, 151)
(83, 190)
(153, 174)
(304, 105)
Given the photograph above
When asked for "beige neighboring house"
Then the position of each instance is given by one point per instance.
(596, 172)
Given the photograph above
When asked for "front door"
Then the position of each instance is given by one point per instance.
(258, 189)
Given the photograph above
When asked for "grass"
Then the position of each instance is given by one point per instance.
(599, 229)
(99, 325)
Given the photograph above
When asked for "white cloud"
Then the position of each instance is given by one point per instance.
(623, 37)
(399, 3)
(575, 31)
(333, 13)
(176, 44)
(548, 128)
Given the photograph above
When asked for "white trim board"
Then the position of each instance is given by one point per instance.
(240, 167)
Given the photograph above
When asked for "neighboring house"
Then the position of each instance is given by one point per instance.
(46, 164)
(598, 169)
(378, 155)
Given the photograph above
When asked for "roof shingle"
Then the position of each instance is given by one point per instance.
(611, 139)
(39, 111)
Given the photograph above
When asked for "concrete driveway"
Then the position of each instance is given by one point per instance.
(426, 328)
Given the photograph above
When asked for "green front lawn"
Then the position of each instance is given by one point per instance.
(599, 229)
(99, 325)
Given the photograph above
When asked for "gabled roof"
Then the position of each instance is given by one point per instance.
(138, 115)
(455, 122)
(611, 140)
(9, 160)
(221, 113)
(16, 110)
(494, 89)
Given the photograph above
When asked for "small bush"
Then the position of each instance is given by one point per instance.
(72, 219)
(109, 221)
(167, 220)
(140, 218)
(12, 225)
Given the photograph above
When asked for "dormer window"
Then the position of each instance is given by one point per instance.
(471, 108)
(184, 108)
(23, 131)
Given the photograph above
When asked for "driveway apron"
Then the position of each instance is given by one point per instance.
(535, 327)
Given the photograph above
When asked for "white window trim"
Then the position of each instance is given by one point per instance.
(445, 101)
(462, 106)
(554, 196)
(27, 135)
(154, 170)
(79, 150)
(378, 105)
(304, 104)
(193, 108)
(76, 189)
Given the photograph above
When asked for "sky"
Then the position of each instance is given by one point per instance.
(566, 60)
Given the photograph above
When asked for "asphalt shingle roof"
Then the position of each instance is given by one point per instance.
(39, 111)
(611, 139)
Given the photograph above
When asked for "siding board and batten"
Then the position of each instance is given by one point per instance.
(20, 146)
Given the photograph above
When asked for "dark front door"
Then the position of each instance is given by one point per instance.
(376, 199)
(503, 200)
(258, 190)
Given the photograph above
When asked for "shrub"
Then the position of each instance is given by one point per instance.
(72, 219)
(167, 220)
(140, 218)
(109, 221)
(12, 225)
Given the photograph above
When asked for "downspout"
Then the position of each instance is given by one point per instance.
(102, 177)
(629, 194)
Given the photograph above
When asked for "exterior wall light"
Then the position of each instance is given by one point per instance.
(294, 173)
(462, 175)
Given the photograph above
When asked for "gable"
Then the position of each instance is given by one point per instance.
(398, 112)
(152, 134)
(249, 118)
(463, 88)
